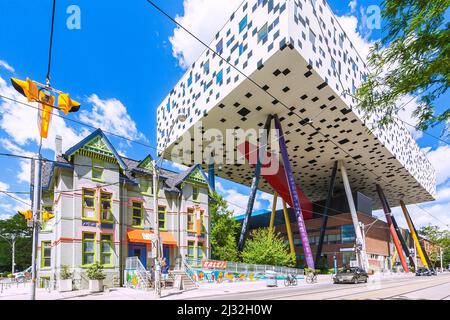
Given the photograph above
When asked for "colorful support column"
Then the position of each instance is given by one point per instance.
(294, 196)
(393, 259)
(255, 181)
(422, 253)
(211, 175)
(394, 235)
(288, 227)
(274, 209)
(360, 243)
(325, 212)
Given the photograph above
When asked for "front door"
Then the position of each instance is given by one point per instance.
(166, 254)
(140, 251)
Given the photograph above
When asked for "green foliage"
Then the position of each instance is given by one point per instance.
(65, 273)
(265, 247)
(439, 238)
(15, 227)
(412, 59)
(224, 230)
(95, 272)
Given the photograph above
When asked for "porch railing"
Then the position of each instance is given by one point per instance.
(143, 276)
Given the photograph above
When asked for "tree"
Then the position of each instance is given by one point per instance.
(412, 58)
(15, 228)
(265, 247)
(224, 230)
(440, 238)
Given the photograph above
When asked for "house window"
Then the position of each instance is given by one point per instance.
(262, 33)
(137, 214)
(106, 250)
(200, 251)
(88, 204)
(191, 249)
(242, 24)
(190, 220)
(106, 206)
(88, 248)
(195, 193)
(46, 254)
(202, 220)
(162, 217)
(146, 186)
(189, 81)
(97, 169)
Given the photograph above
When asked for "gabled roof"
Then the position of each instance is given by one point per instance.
(92, 136)
(183, 176)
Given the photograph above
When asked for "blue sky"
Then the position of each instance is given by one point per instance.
(120, 65)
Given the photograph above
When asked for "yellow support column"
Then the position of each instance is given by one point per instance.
(394, 258)
(274, 208)
(288, 227)
(414, 234)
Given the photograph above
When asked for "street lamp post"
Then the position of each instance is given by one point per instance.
(156, 174)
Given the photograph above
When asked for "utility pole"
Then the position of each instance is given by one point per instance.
(156, 228)
(440, 251)
(35, 220)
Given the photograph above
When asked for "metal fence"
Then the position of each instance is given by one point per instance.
(249, 268)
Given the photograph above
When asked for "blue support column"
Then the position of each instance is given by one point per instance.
(255, 182)
(211, 175)
(294, 196)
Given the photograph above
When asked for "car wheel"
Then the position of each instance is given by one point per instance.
(365, 281)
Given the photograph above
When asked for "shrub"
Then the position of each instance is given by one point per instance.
(95, 272)
(10, 275)
(65, 273)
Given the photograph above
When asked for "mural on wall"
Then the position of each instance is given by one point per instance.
(231, 276)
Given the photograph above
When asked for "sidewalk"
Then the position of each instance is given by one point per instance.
(22, 291)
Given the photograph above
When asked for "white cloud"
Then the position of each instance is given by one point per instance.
(439, 158)
(110, 115)
(350, 25)
(203, 18)
(269, 197)
(4, 186)
(237, 201)
(352, 4)
(178, 166)
(5, 65)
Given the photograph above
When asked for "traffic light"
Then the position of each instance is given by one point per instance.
(27, 214)
(47, 216)
(27, 88)
(66, 105)
(45, 112)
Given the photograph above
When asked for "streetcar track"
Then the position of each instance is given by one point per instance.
(408, 292)
(348, 286)
(303, 291)
(404, 285)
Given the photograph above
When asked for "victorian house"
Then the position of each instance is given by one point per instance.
(103, 207)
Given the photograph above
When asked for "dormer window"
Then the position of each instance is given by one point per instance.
(97, 169)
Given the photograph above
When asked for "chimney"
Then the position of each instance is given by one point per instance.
(58, 146)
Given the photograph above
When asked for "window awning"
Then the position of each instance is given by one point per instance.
(167, 238)
(146, 236)
(140, 236)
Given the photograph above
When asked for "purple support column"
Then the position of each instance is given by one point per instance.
(294, 195)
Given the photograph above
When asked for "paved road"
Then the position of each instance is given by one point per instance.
(433, 288)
